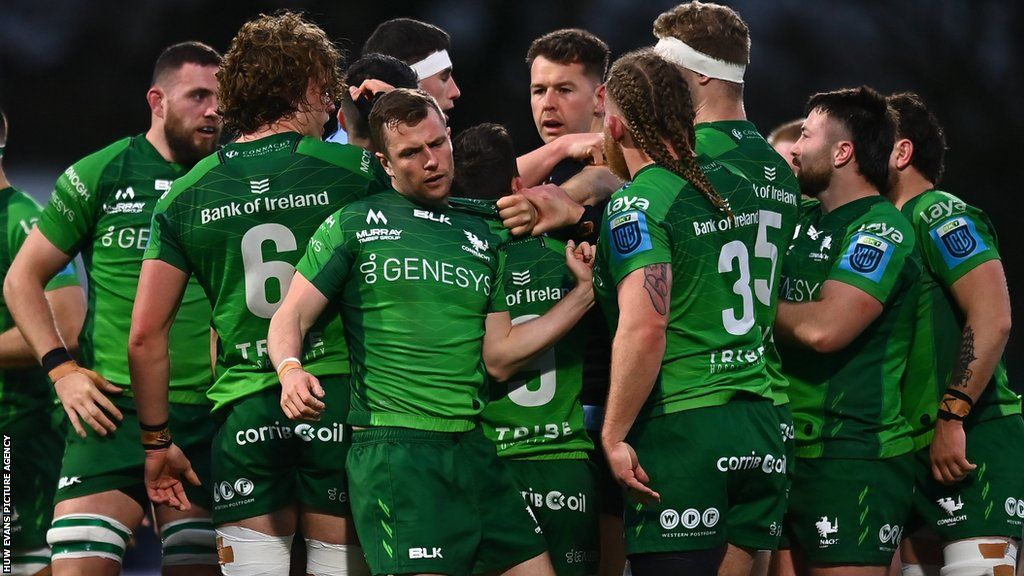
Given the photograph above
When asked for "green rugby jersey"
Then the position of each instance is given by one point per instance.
(239, 222)
(414, 285)
(23, 391)
(102, 207)
(537, 414)
(713, 348)
(953, 238)
(737, 144)
(847, 404)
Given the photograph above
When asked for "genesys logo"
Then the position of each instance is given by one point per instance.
(334, 432)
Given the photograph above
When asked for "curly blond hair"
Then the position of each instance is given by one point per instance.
(268, 67)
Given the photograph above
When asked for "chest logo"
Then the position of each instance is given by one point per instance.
(477, 243)
(521, 278)
(769, 173)
(375, 217)
(259, 186)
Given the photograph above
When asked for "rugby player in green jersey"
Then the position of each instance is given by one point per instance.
(848, 295)
(416, 285)
(674, 277)
(534, 417)
(101, 208)
(711, 44)
(238, 223)
(965, 420)
(29, 414)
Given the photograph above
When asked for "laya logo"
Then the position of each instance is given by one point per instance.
(375, 217)
(259, 186)
(521, 278)
(627, 203)
(770, 173)
(428, 215)
(68, 481)
(689, 519)
(423, 553)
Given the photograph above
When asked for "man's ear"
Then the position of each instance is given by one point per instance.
(341, 120)
(155, 99)
(385, 164)
(904, 153)
(842, 153)
(599, 101)
(616, 127)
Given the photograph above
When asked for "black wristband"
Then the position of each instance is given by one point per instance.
(945, 415)
(958, 394)
(55, 358)
(152, 428)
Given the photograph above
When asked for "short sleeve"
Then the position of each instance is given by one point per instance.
(329, 258)
(954, 246)
(23, 213)
(164, 243)
(636, 239)
(498, 302)
(70, 216)
(872, 263)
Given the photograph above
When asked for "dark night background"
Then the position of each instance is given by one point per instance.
(74, 73)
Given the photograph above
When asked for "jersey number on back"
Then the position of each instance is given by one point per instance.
(736, 251)
(518, 391)
(259, 272)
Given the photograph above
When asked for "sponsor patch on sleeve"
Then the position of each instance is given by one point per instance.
(867, 255)
(957, 240)
(630, 234)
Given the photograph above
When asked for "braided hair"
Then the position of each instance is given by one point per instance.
(655, 101)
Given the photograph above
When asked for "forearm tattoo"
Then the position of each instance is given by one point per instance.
(656, 284)
(962, 371)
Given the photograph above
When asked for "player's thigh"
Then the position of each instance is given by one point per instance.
(411, 503)
(97, 464)
(846, 512)
(254, 459)
(679, 452)
(757, 475)
(194, 430)
(36, 448)
(613, 545)
(990, 501)
(563, 497)
(321, 479)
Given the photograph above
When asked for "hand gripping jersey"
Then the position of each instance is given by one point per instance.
(102, 207)
(24, 393)
(713, 347)
(239, 222)
(414, 284)
(847, 404)
(953, 238)
(739, 146)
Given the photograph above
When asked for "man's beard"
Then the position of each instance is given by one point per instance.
(615, 159)
(181, 140)
(813, 182)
